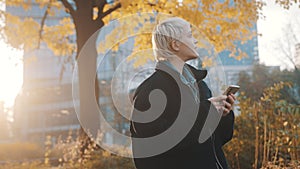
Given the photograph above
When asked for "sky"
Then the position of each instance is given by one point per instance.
(11, 74)
(11, 70)
(271, 28)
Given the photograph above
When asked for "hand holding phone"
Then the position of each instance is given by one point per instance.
(231, 89)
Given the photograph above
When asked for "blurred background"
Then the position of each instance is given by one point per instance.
(256, 42)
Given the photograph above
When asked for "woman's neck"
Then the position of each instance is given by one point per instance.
(177, 63)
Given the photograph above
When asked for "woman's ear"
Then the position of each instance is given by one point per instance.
(175, 45)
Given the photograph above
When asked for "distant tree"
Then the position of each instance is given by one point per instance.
(252, 85)
(283, 48)
(268, 115)
(266, 133)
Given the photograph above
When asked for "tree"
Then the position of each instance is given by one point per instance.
(266, 133)
(284, 47)
(260, 79)
(263, 76)
(265, 130)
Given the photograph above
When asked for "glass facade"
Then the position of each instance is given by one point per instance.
(44, 107)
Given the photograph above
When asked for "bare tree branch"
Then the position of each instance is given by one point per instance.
(288, 56)
(68, 6)
(43, 22)
(289, 44)
(109, 11)
(284, 46)
(294, 36)
(286, 53)
(76, 2)
(100, 4)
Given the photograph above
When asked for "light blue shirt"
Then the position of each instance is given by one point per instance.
(187, 78)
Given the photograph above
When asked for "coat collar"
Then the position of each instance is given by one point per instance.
(198, 74)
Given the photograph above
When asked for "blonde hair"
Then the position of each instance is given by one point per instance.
(163, 34)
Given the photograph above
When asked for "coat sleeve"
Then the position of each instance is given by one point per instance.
(141, 105)
(143, 130)
(224, 130)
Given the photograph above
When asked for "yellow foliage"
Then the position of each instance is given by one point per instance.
(27, 35)
(234, 21)
(207, 62)
(55, 5)
(26, 5)
(220, 24)
(141, 57)
(57, 37)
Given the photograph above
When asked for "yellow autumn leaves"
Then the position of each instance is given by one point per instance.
(219, 23)
(58, 37)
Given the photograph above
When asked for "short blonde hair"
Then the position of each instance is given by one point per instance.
(163, 34)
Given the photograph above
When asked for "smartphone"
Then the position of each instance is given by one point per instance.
(231, 89)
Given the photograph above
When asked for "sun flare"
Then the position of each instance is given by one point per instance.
(11, 74)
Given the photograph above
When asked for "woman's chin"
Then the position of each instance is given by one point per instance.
(193, 57)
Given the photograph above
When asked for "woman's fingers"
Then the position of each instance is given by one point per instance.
(230, 99)
(225, 112)
(227, 105)
(232, 95)
(223, 103)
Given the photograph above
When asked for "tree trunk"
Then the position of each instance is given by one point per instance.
(86, 25)
(89, 116)
(238, 161)
(268, 144)
(256, 137)
(264, 162)
(87, 71)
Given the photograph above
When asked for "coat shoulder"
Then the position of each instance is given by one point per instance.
(158, 80)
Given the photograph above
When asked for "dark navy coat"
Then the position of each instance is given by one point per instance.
(188, 153)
